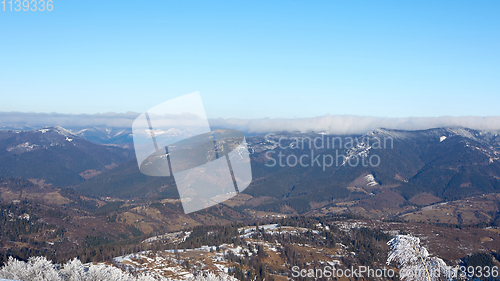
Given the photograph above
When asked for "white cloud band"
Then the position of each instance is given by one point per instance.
(334, 124)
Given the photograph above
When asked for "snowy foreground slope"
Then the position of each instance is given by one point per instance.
(185, 264)
(205, 263)
(218, 263)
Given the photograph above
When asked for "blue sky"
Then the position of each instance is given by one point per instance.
(255, 59)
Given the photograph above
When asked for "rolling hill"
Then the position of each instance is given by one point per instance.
(55, 156)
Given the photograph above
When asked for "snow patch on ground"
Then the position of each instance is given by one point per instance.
(371, 180)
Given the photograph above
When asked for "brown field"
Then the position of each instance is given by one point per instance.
(469, 211)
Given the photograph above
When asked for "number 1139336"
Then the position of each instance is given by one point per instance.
(27, 5)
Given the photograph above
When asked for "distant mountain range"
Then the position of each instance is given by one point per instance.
(100, 135)
(106, 135)
(414, 168)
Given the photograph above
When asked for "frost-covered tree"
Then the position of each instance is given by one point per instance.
(41, 269)
(36, 269)
(101, 272)
(73, 270)
(414, 261)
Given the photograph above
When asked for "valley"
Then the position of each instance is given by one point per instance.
(440, 184)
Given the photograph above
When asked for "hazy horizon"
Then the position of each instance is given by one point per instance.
(335, 124)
